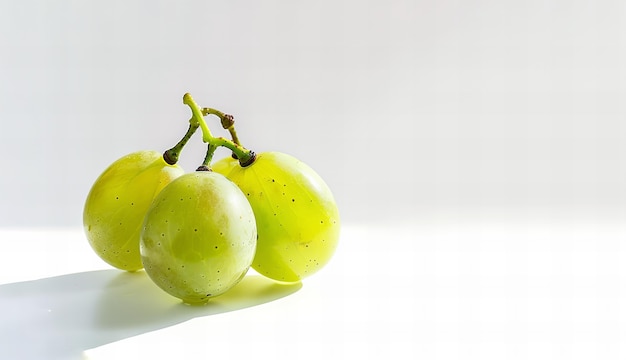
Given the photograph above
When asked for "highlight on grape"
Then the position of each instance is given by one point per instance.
(197, 234)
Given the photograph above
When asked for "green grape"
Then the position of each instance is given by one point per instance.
(225, 165)
(199, 237)
(296, 215)
(117, 203)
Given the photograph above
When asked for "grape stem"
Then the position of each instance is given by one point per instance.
(171, 156)
(228, 122)
(246, 157)
(206, 164)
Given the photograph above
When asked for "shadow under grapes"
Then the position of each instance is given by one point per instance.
(60, 317)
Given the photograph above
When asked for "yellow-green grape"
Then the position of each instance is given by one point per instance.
(199, 237)
(117, 203)
(296, 215)
(225, 165)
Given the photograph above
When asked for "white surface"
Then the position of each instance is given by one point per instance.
(495, 289)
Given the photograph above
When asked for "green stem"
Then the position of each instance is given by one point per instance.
(246, 157)
(233, 135)
(206, 164)
(228, 122)
(171, 156)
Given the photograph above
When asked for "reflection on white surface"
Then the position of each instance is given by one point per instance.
(494, 288)
(59, 317)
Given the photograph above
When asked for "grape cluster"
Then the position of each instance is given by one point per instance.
(197, 234)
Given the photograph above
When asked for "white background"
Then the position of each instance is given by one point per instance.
(404, 107)
(475, 149)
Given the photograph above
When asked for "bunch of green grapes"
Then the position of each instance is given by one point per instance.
(197, 234)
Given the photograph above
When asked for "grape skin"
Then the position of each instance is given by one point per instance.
(117, 203)
(199, 237)
(296, 214)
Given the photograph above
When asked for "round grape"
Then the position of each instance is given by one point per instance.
(117, 203)
(199, 237)
(296, 215)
